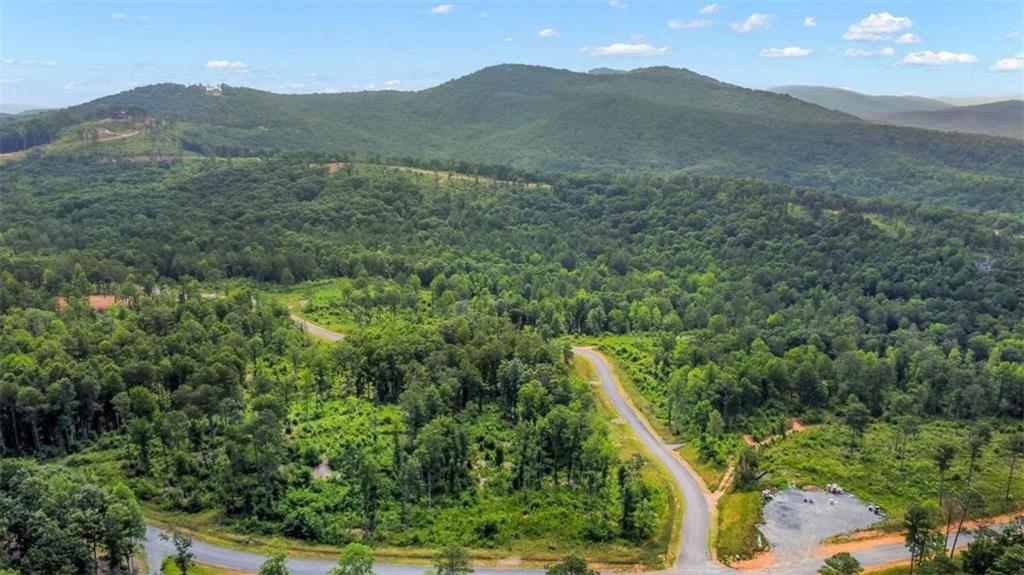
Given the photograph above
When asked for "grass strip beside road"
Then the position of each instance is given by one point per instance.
(739, 515)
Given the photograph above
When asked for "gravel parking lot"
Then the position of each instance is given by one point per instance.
(795, 521)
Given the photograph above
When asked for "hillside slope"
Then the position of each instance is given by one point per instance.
(555, 120)
(860, 105)
(1005, 119)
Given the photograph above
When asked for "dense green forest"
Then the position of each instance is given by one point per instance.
(403, 434)
(449, 414)
(790, 299)
(539, 118)
(54, 522)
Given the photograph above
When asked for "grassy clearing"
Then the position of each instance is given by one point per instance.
(875, 474)
(321, 302)
(708, 471)
(738, 517)
(424, 176)
(660, 550)
(345, 304)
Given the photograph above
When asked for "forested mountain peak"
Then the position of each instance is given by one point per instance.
(539, 118)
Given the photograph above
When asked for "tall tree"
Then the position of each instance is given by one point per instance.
(1015, 447)
(856, 418)
(921, 539)
(976, 442)
(970, 502)
(943, 458)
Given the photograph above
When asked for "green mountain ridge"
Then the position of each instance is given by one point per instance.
(537, 118)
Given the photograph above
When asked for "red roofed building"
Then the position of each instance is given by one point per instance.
(97, 302)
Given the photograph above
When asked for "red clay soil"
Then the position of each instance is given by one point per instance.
(97, 302)
(868, 539)
(759, 562)
(794, 427)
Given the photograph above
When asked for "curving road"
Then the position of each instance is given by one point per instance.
(692, 554)
(693, 543)
(316, 330)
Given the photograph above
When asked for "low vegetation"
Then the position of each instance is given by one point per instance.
(739, 514)
(894, 469)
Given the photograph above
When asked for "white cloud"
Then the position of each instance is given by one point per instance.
(617, 4)
(22, 62)
(129, 17)
(908, 38)
(626, 50)
(392, 83)
(929, 58)
(790, 52)
(756, 21)
(548, 33)
(1011, 64)
(483, 14)
(877, 27)
(861, 53)
(1012, 36)
(508, 39)
(710, 8)
(236, 66)
(689, 24)
(810, 22)
(443, 9)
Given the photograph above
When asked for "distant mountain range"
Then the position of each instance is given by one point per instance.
(860, 105)
(1001, 118)
(1004, 119)
(532, 117)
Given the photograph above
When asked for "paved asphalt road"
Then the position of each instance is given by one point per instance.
(693, 546)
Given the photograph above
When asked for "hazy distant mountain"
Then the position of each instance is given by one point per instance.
(998, 119)
(534, 117)
(976, 100)
(857, 104)
(9, 117)
(15, 109)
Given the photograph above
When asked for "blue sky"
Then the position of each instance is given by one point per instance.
(56, 54)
